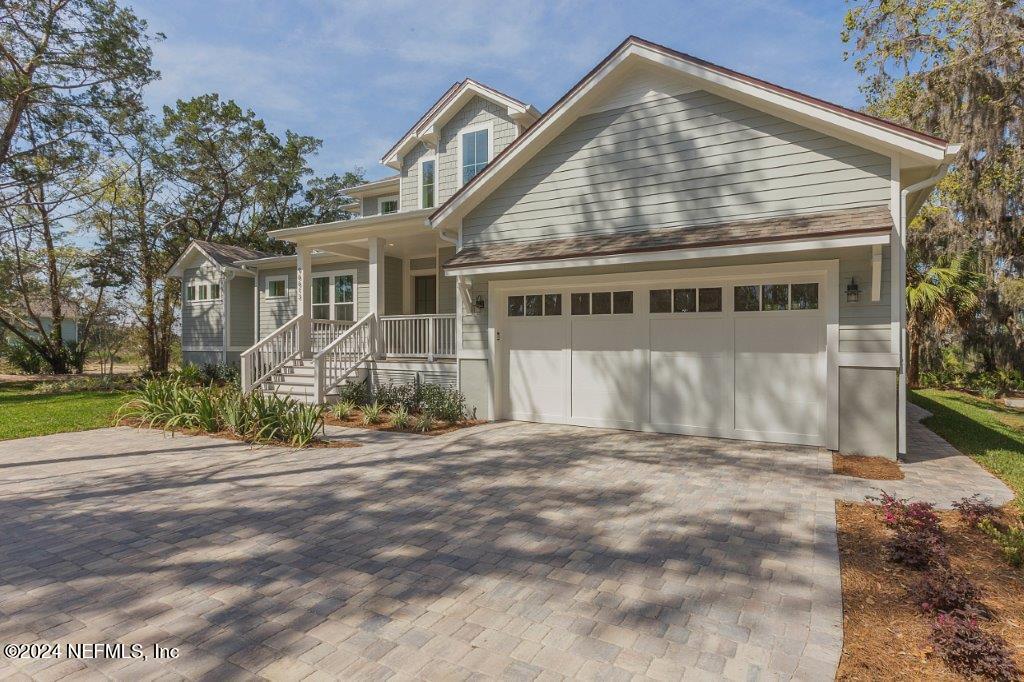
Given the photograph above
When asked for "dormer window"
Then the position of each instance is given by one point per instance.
(475, 145)
(388, 205)
(427, 183)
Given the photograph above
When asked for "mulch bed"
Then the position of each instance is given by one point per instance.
(871, 468)
(885, 635)
(355, 421)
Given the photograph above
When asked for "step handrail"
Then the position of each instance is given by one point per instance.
(281, 346)
(341, 357)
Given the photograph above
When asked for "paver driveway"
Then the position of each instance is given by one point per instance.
(512, 550)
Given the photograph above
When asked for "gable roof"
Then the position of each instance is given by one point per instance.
(224, 255)
(925, 149)
(427, 128)
(829, 225)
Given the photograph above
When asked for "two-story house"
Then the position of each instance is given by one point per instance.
(672, 246)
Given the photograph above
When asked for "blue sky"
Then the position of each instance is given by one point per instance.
(357, 74)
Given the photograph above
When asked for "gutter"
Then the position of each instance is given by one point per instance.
(951, 151)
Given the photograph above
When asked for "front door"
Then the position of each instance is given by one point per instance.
(333, 297)
(425, 294)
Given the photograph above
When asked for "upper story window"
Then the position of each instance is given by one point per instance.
(202, 292)
(388, 205)
(476, 152)
(427, 183)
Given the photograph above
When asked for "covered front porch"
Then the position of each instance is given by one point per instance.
(354, 299)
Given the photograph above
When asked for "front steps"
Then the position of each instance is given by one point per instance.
(295, 380)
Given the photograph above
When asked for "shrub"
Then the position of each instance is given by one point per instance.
(343, 409)
(974, 508)
(917, 549)
(188, 374)
(904, 516)
(1010, 540)
(970, 651)
(213, 373)
(354, 393)
(442, 402)
(400, 418)
(393, 396)
(943, 590)
(373, 413)
(170, 403)
(424, 422)
(24, 358)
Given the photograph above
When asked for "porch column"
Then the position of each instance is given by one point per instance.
(303, 284)
(376, 267)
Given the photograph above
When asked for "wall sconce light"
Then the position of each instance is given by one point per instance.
(479, 303)
(852, 291)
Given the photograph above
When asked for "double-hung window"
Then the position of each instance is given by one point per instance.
(427, 183)
(388, 205)
(476, 152)
(333, 297)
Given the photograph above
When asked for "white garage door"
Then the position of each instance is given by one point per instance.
(737, 359)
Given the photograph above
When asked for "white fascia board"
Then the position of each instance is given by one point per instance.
(287, 234)
(674, 254)
(373, 188)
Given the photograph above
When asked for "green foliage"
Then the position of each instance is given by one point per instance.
(443, 403)
(25, 358)
(354, 392)
(171, 404)
(343, 409)
(982, 430)
(424, 422)
(401, 418)
(373, 413)
(392, 396)
(1009, 539)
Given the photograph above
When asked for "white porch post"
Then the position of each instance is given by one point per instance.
(303, 284)
(376, 263)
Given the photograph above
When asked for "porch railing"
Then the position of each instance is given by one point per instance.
(323, 332)
(270, 353)
(340, 358)
(430, 336)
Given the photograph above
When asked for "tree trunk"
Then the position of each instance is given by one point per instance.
(913, 358)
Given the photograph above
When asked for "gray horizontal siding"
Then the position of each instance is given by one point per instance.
(243, 312)
(275, 312)
(202, 323)
(676, 160)
(410, 199)
(422, 263)
(369, 206)
(204, 357)
(476, 111)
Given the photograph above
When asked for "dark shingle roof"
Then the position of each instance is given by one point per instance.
(227, 254)
(872, 219)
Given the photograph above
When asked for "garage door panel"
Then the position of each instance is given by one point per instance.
(691, 374)
(536, 370)
(779, 377)
(607, 371)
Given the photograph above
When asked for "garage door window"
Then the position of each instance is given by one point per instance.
(534, 305)
(602, 303)
(688, 300)
(768, 297)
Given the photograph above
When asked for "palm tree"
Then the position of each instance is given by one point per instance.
(939, 295)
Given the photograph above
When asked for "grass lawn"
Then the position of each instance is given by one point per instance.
(987, 431)
(24, 413)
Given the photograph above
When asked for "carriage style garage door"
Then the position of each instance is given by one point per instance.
(739, 357)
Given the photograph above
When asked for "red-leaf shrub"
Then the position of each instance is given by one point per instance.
(917, 550)
(969, 650)
(904, 516)
(974, 508)
(943, 590)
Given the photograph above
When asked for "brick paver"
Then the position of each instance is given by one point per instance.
(510, 551)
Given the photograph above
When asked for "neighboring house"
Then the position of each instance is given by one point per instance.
(68, 325)
(217, 302)
(673, 246)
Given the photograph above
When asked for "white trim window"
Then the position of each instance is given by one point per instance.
(475, 146)
(202, 293)
(386, 205)
(428, 182)
(334, 295)
(277, 287)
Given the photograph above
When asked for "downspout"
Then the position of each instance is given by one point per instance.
(951, 151)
